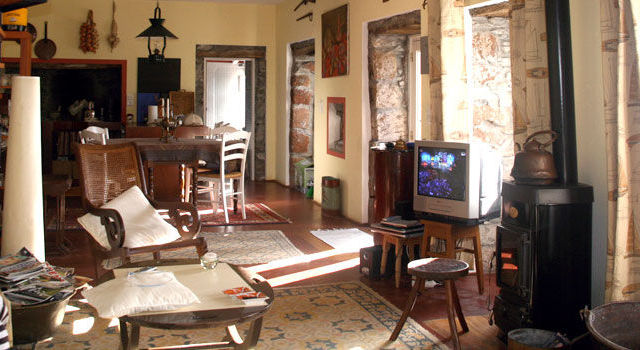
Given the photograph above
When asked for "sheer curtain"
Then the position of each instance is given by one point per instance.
(622, 120)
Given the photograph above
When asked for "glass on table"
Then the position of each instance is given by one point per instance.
(209, 261)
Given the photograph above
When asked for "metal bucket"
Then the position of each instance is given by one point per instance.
(34, 323)
(531, 338)
(331, 199)
(615, 324)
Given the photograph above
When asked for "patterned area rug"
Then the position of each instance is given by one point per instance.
(346, 239)
(231, 247)
(257, 213)
(345, 315)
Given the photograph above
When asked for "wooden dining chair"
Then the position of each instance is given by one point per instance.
(106, 173)
(94, 134)
(229, 179)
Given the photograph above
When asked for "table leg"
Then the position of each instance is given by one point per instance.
(451, 314)
(398, 263)
(124, 335)
(134, 342)
(456, 300)
(383, 260)
(478, 255)
(234, 186)
(413, 295)
(253, 335)
(63, 244)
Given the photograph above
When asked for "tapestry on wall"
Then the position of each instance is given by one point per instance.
(335, 42)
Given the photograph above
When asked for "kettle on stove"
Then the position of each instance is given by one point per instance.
(533, 165)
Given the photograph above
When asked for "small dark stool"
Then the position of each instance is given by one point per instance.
(440, 269)
(56, 186)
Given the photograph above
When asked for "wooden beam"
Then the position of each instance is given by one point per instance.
(497, 10)
(408, 23)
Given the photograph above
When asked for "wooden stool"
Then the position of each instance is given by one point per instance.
(451, 233)
(56, 186)
(443, 269)
(400, 241)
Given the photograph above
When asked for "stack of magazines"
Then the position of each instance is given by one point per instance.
(396, 224)
(26, 281)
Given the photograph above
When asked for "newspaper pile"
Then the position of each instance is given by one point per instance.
(27, 281)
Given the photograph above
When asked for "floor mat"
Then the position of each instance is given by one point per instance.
(345, 315)
(347, 239)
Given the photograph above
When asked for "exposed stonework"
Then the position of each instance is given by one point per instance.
(302, 100)
(491, 86)
(388, 87)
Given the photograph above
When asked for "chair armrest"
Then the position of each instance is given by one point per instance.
(191, 222)
(112, 222)
(199, 243)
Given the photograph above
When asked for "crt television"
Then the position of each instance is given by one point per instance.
(456, 181)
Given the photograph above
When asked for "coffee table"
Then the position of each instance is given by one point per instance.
(200, 317)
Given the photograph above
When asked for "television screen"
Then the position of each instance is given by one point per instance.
(442, 172)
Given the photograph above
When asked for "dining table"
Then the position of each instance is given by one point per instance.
(168, 178)
(177, 150)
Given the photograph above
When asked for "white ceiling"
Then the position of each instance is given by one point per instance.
(239, 1)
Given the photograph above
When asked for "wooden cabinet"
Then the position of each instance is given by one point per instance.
(58, 138)
(391, 181)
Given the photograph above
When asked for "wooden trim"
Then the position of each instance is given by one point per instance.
(231, 51)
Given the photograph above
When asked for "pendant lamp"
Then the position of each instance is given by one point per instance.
(156, 30)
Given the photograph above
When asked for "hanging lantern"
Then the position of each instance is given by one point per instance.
(156, 30)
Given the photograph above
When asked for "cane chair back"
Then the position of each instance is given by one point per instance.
(108, 170)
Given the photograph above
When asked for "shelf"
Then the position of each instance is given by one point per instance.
(24, 40)
(9, 5)
(16, 35)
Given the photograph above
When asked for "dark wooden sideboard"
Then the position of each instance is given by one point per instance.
(391, 181)
(58, 137)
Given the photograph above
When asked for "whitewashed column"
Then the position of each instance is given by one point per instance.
(22, 215)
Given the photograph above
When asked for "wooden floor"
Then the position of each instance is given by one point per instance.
(306, 216)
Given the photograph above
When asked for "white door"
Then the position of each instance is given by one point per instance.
(225, 93)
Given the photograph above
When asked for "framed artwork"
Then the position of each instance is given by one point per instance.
(335, 42)
(336, 109)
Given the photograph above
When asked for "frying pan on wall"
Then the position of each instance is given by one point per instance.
(45, 48)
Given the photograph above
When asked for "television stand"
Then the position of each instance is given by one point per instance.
(451, 233)
(454, 219)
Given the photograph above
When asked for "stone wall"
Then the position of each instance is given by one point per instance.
(388, 87)
(490, 89)
(302, 101)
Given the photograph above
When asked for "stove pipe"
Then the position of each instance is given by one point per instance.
(561, 90)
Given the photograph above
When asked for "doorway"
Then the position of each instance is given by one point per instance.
(225, 91)
(301, 86)
(255, 95)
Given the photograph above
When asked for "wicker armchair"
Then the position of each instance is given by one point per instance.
(108, 170)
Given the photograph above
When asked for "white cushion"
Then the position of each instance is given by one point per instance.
(143, 226)
(140, 292)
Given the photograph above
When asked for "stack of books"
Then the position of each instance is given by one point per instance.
(395, 224)
(27, 281)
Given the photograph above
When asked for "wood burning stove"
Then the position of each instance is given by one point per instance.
(544, 240)
(543, 248)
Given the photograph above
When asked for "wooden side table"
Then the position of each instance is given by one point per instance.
(400, 241)
(442, 269)
(451, 233)
(56, 186)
